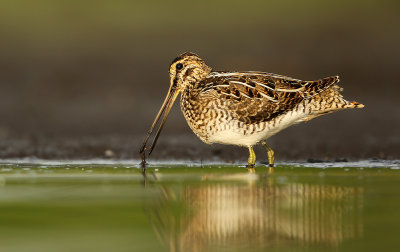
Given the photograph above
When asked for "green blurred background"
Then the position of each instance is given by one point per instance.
(80, 77)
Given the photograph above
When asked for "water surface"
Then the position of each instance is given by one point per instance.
(109, 206)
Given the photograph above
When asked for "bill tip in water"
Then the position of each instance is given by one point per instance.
(143, 156)
(143, 164)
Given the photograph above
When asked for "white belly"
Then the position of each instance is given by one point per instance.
(237, 138)
(237, 133)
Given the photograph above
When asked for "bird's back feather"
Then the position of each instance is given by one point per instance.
(259, 96)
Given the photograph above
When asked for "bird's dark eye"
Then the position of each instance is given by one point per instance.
(179, 66)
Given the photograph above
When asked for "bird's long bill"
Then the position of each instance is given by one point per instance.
(165, 108)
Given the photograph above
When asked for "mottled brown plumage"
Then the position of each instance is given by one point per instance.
(244, 108)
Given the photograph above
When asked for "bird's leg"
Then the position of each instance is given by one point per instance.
(252, 160)
(271, 156)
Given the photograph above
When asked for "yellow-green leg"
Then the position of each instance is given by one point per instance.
(252, 160)
(271, 156)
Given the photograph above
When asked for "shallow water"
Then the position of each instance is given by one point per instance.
(104, 205)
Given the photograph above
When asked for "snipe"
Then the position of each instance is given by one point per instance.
(243, 108)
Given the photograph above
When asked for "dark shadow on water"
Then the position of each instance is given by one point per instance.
(254, 214)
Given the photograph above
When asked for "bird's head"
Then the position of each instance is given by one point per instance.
(185, 70)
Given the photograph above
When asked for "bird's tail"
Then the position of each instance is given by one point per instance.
(342, 103)
(354, 104)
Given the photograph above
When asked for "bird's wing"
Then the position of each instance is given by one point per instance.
(259, 96)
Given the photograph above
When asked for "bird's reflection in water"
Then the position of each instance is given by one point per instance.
(255, 214)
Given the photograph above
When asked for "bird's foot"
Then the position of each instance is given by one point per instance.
(251, 168)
